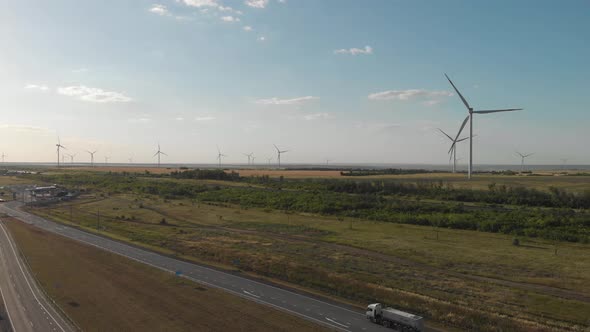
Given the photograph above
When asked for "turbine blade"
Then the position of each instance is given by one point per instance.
(155, 154)
(277, 148)
(528, 155)
(459, 93)
(459, 133)
(462, 139)
(445, 133)
(497, 111)
(163, 153)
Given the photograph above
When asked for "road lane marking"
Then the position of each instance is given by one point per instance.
(7, 311)
(25, 277)
(335, 322)
(105, 244)
(251, 294)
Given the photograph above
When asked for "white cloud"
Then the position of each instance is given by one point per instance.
(40, 87)
(247, 28)
(261, 38)
(140, 120)
(93, 94)
(180, 118)
(292, 101)
(317, 116)
(256, 3)
(378, 126)
(25, 128)
(159, 10)
(201, 3)
(429, 97)
(205, 118)
(355, 51)
(230, 19)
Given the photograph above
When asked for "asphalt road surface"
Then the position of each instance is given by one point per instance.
(26, 306)
(337, 317)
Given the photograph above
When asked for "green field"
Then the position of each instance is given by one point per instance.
(101, 291)
(455, 277)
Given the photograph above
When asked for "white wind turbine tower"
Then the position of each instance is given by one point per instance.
(59, 146)
(269, 160)
(279, 152)
(3, 156)
(470, 118)
(249, 157)
(159, 153)
(219, 156)
(91, 157)
(106, 160)
(453, 153)
(522, 156)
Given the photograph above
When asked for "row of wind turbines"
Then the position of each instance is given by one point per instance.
(452, 151)
(159, 153)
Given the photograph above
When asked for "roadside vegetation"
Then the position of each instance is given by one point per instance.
(428, 247)
(101, 291)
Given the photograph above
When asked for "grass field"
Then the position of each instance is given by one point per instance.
(463, 279)
(101, 291)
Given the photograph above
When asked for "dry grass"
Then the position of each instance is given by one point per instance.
(293, 174)
(101, 291)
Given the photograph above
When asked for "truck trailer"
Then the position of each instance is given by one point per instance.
(396, 319)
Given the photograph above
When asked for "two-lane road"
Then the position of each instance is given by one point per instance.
(26, 306)
(338, 317)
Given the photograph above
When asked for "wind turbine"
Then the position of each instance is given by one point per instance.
(522, 156)
(219, 156)
(159, 153)
(253, 158)
(91, 157)
(249, 157)
(130, 160)
(328, 161)
(279, 152)
(72, 157)
(453, 149)
(3, 156)
(564, 162)
(59, 146)
(470, 118)
(269, 160)
(106, 160)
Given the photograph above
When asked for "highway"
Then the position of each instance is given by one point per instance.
(337, 317)
(26, 306)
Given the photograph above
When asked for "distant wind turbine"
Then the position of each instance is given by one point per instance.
(106, 160)
(249, 157)
(130, 160)
(3, 156)
(72, 157)
(59, 146)
(453, 153)
(522, 156)
(563, 162)
(159, 153)
(328, 161)
(269, 160)
(219, 156)
(91, 157)
(470, 119)
(279, 152)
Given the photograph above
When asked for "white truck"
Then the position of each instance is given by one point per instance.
(399, 320)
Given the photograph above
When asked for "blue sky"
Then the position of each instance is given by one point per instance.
(352, 81)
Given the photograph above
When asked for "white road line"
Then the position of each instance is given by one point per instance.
(26, 279)
(251, 294)
(335, 322)
(96, 237)
(7, 311)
